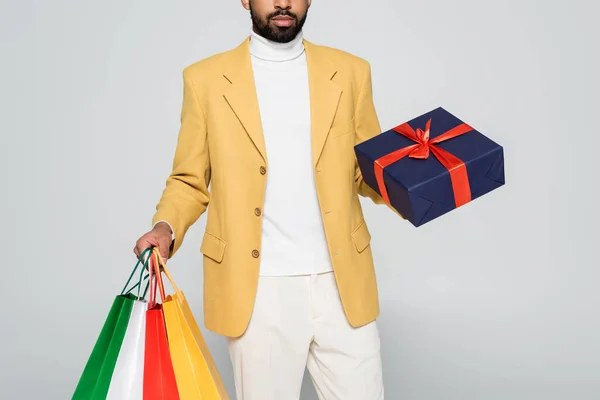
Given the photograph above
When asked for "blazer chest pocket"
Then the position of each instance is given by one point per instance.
(342, 127)
(361, 236)
(213, 247)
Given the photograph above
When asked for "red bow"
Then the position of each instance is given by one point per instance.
(457, 168)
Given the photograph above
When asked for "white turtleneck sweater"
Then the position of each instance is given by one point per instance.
(293, 237)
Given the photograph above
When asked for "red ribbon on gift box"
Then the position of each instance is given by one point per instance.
(421, 150)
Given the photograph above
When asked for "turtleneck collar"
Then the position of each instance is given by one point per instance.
(269, 50)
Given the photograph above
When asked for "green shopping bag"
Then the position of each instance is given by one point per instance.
(97, 374)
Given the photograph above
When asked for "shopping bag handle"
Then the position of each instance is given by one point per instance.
(163, 268)
(154, 273)
(142, 277)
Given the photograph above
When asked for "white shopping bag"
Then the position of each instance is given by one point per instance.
(128, 377)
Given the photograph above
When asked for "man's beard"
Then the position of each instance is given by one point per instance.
(276, 33)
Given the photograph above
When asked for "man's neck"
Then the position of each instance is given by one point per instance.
(269, 50)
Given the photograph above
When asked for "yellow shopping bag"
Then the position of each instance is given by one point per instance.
(195, 371)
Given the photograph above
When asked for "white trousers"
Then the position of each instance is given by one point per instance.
(298, 323)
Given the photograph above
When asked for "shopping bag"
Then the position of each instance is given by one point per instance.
(159, 377)
(128, 376)
(195, 371)
(97, 374)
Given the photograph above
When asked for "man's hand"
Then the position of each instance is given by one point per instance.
(160, 237)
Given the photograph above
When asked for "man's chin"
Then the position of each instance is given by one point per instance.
(282, 34)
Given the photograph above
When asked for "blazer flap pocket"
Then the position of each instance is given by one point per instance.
(213, 247)
(361, 236)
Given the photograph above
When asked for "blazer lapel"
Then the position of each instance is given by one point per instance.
(241, 95)
(324, 97)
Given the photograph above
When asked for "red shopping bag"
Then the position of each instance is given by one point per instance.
(159, 376)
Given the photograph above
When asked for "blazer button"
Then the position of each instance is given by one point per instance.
(257, 211)
(255, 253)
(263, 170)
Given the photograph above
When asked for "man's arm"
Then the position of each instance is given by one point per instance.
(186, 196)
(367, 126)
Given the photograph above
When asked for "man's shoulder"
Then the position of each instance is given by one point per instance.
(350, 66)
(355, 66)
(340, 55)
(207, 65)
(215, 62)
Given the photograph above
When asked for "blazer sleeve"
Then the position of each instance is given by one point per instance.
(367, 126)
(186, 196)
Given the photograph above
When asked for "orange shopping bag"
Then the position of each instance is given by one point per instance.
(195, 371)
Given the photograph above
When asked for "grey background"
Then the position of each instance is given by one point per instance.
(496, 300)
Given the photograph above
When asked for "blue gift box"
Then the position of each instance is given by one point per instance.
(421, 189)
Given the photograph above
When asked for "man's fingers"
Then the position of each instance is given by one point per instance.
(164, 251)
(154, 239)
(139, 248)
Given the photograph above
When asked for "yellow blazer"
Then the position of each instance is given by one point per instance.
(221, 144)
